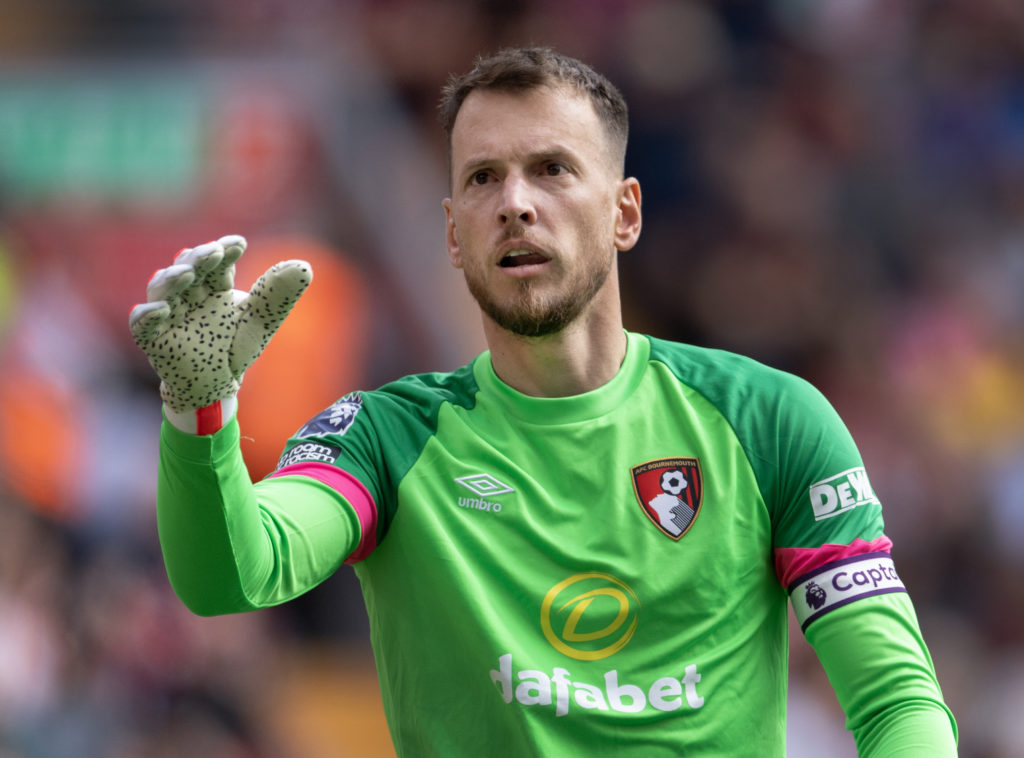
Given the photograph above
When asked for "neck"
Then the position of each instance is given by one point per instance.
(581, 357)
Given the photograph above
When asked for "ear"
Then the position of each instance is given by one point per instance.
(450, 237)
(629, 220)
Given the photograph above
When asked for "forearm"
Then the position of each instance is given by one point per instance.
(232, 546)
(878, 663)
(920, 729)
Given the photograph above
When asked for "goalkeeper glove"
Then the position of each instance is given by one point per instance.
(200, 334)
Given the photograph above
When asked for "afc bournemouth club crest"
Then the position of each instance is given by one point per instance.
(670, 491)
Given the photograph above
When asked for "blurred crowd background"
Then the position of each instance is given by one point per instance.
(835, 187)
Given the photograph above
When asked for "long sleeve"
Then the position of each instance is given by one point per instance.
(879, 666)
(232, 546)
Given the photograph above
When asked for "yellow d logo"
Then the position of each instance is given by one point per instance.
(600, 616)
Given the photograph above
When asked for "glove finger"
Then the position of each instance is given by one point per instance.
(276, 292)
(169, 283)
(222, 277)
(202, 258)
(269, 301)
(234, 245)
(147, 319)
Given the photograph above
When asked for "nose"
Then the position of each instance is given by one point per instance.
(516, 202)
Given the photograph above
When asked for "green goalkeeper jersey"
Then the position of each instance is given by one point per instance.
(604, 574)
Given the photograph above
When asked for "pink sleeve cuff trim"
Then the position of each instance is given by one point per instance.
(353, 491)
(794, 562)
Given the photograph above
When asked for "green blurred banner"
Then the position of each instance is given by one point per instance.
(132, 141)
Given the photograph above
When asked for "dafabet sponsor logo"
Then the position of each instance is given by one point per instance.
(590, 617)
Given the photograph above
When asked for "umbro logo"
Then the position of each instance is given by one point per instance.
(484, 485)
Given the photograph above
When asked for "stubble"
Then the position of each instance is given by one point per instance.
(534, 309)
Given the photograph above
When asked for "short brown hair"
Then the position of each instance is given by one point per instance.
(524, 69)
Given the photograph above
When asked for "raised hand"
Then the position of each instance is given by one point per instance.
(199, 333)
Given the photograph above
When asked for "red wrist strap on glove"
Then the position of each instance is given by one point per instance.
(208, 419)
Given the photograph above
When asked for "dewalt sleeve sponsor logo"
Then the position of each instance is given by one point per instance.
(841, 493)
(589, 616)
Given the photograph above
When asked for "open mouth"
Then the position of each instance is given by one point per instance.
(516, 258)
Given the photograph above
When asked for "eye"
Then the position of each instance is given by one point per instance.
(554, 169)
(479, 177)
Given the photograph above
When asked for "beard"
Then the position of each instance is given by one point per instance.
(533, 313)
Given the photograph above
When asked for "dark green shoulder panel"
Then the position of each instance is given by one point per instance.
(404, 417)
(406, 410)
(787, 428)
(377, 435)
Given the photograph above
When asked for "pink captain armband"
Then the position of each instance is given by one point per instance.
(202, 421)
(354, 493)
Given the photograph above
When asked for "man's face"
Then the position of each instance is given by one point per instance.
(536, 212)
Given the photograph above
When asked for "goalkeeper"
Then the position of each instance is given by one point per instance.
(584, 542)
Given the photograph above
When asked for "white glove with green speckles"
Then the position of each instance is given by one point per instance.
(200, 334)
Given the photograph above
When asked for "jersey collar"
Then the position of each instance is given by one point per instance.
(562, 410)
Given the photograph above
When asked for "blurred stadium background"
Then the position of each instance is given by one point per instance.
(835, 187)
